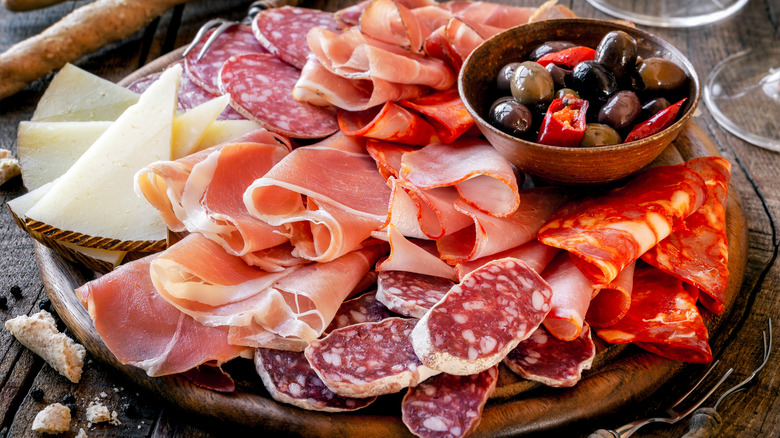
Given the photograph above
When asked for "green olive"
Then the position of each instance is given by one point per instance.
(660, 74)
(597, 134)
(531, 83)
(564, 91)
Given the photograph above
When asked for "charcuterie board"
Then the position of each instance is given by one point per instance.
(619, 376)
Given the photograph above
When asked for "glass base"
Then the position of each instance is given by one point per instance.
(670, 13)
(743, 94)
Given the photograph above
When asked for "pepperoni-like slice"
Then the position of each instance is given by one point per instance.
(260, 88)
(282, 31)
(410, 294)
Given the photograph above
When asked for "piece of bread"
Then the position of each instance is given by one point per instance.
(39, 333)
(54, 418)
(9, 166)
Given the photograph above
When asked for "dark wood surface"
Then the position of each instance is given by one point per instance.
(755, 412)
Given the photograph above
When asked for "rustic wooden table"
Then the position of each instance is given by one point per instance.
(753, 413)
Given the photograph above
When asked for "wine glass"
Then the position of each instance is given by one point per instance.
(670, 13)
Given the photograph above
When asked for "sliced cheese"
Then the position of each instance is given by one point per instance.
(220, 131)
(188, 128)
(77, 95)
(95, 197)
(47, 149)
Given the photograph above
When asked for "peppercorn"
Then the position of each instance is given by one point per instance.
(3, 303)
(37, 394)
(16, 291)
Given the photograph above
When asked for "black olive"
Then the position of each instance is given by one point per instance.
(652, 106)
(505, 75)
(620, 110)
(597, 134)
(559, 74)
(660, 74)
(549, 47)
(510, 116)
(593, 81)
(531, 83)
(617, 51)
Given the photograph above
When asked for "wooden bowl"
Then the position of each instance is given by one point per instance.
(556, 164)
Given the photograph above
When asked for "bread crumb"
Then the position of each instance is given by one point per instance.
(114, 419)
(103, 394)
(9, 166)
(97, 413)
(39, 333)
(54, 418)
(81, 434)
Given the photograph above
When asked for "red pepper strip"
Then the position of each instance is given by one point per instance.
(569, 57)
(657, 123)
(564, 123)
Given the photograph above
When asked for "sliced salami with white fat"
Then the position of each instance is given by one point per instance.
(260, 88)
(410, 294)
(288, 377)
(547, 359)
(483, 318)
(447, 405)
(282, 31)
(235, 40)
(365, 308)
(368, 359)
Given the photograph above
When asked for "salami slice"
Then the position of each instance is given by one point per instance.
(483, 318)
(235, 40)
(547, 359)
(289, 378)
(368, 359)
(365, 308)
(447, 405)
(663, 318)
(410, 294)
(282, 31)
(260, 88)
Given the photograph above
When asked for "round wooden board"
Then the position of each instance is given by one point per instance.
(615, 382)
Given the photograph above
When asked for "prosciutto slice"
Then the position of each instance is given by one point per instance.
(393, 23)
(611, 302)
(606, 233)
(698, 253)
(148, 332)
(534, 254)
(483, 178)
(663, 319)
(328, 197)
(419, 256)
(570, 299)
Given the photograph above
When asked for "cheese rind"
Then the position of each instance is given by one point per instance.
(95, 197)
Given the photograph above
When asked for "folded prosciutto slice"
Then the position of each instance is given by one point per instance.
(419, 256)
(607, 232)
(663, 319)
(393, 23)
(142, 329)
(611, 302)
(570, 298)
(698, 253)
(328, 197)
(203, 192)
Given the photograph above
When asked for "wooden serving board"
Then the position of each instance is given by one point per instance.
(619, 377)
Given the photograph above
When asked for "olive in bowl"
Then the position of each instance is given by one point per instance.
(593, 162)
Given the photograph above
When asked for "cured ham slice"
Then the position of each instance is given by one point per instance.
(289, 378)
(389, 122)
(410, 294)
(550, 10)
(282, 31)
(447, 405)
(387, 156)
(445, 111)
(534, 254)
(148, 332)
(318, 86)
(419, 256)
(426, 214)
(204, 192)
(491, 235)
(570, 299)
(481, 319)
(606, 233)
(698, 253)
(328, 197)
(490, 14)
(483, 178)
(351, 54)
(611, 302)
(393, 23)
(663, 319)
(369, 359)
(544, 358)
(351, 14)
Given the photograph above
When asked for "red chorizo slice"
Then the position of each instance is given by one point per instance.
(483, 318)
(547, 359)
(447, 405)
(410, 294)
(289, 378)
(368, 359)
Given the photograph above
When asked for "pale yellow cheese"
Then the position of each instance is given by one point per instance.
(220, 131)
(95, 197)
(188, 128)
(77, 95)
(47, 149)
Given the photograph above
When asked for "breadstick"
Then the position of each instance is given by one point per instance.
(28, 5)
(83, 31)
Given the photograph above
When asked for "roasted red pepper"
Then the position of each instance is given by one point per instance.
(564, 123)
(568, 57)
(657, 123)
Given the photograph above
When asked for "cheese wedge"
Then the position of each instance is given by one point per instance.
(220, 131)
(188, 128)
(93, 204)
(77, 95)
(47, 149)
